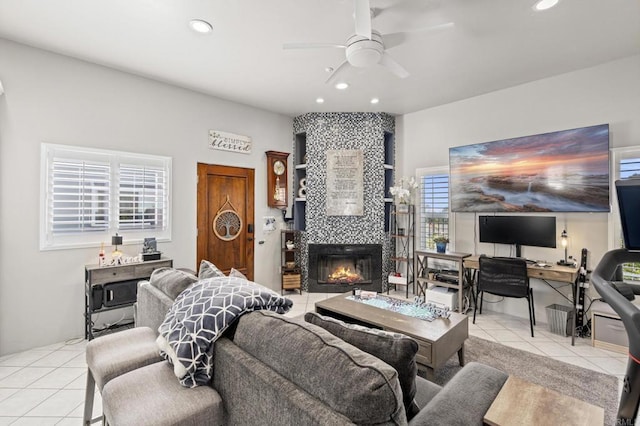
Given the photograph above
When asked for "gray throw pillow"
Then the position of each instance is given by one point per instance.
(235, 273)
(397, 350)
(358, 385)
(171, 281)
(208, 270)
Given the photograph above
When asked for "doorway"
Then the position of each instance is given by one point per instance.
(226, 217)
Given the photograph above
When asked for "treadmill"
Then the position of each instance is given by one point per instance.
(628, 191)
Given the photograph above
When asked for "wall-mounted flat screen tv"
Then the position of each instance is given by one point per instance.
(565, 171)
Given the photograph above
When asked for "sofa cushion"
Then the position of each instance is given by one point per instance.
(208, 270)
(397, 350)
(354, 383)
(171, 281)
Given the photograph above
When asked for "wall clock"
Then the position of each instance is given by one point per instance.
(277, 181)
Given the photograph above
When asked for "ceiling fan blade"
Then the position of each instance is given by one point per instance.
(337, 72)
(362, 16)
(312, 45)
(391, 64)
(394, 39)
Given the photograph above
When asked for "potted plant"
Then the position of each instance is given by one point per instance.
(441, 243)
(403, 192)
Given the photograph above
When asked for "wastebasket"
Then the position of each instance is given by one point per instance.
(560, 319)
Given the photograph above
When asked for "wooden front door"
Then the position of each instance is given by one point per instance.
(225, 217)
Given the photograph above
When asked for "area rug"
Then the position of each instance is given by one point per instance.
(595, 388)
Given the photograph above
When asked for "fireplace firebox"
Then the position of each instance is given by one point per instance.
(336, 268)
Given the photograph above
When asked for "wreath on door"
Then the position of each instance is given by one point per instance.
(227, 223)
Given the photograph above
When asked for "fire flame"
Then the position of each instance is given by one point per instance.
(344, 274)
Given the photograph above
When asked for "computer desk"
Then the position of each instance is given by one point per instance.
(552, 272)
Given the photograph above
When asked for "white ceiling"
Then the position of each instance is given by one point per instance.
(494, 44)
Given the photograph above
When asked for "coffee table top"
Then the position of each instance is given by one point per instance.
(430, 331)
(524, 403)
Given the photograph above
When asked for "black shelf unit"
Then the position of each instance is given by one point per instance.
(402, 243)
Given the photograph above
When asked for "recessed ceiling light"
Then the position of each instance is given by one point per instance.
(375, 100)
(200, 26)
(545, 4)
(341, 86)
(320, 100)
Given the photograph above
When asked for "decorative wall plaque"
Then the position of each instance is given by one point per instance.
(345, 182)
(229, 142)
(227, 224)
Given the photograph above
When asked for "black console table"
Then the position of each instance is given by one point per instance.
(114, 287)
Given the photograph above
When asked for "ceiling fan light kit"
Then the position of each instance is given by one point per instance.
(363, 52)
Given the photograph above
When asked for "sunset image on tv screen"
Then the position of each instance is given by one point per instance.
(565, 171)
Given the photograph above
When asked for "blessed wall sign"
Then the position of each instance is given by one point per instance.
(229, 142)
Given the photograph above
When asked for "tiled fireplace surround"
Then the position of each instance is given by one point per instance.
(337, 131)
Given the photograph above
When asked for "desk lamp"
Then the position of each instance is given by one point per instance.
(116, 240)
(564, 242)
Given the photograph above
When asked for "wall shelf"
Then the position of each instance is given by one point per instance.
(300, 173)
(290, 271)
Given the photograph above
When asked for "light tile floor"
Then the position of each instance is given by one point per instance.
(45, 386)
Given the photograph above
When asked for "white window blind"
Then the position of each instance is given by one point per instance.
(90, 194)
(434, 207)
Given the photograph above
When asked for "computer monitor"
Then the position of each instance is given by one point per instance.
(538, 231)
(628, 191)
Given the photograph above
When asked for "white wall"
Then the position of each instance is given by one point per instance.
(56, 99)
(608, 93)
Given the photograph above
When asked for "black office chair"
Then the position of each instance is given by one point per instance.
(630, 316)
(507, 277)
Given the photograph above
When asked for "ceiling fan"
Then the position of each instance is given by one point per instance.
(367, 47)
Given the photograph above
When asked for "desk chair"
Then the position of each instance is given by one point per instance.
(507, 277)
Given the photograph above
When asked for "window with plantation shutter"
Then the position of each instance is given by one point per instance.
(626, 165)
(142, 197)
(79, 196)
(90, 194)
(434, 205)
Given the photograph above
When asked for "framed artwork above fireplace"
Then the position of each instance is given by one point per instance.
(345, 182)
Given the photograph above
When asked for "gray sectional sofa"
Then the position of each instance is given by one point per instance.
(271, 369)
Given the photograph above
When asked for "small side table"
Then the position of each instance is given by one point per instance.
(422, 273)
(114, 287)
(524, 403)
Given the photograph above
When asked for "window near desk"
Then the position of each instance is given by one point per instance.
(626, 165)
(434, 205)
(90, 194)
